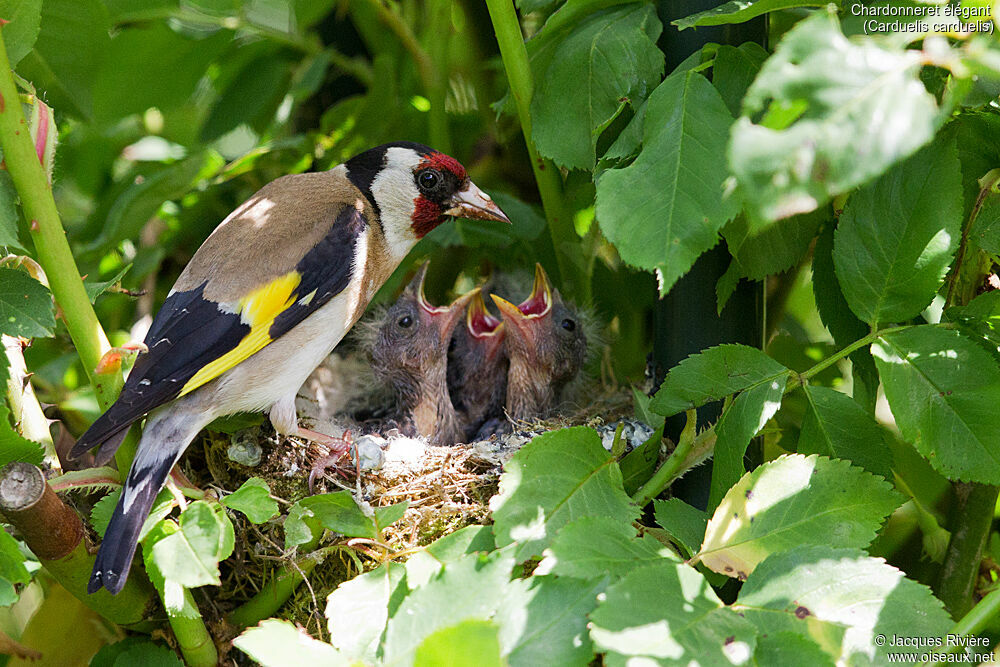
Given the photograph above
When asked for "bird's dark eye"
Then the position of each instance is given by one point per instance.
(568, 324)
(428, 179)
(405, 321)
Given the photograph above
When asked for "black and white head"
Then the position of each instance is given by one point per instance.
(414, 188)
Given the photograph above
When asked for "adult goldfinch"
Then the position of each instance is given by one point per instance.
(262, 302)
(477, 372)
(410, 355)
(546, 345)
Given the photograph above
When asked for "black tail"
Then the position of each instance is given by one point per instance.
(164, 440)
(110, 428)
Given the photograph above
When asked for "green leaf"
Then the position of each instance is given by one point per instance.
(557, 477)
(819, 592)
(665, 209)
(713, 374)
(152, 66)
(980, 317)
(608, 60)
(685, 523)
(13, 446)
(667, 614)
(253, 499)
(24, 18)
(72, 45)
(543, 621)
(190, 556)
(595, 547)
(734, 69)
(137, 204)
(943, 390)
(897, 235)
(96, 289)
(473, 587)
(427, 563)
(12, 560)
(762, 247)
(844, 325)
(135, 651)
(334, 511)
(741, 421)
(535, 5)
(26, 308)
(833, 110)
(8, 213)
(252, 96)
(357, 610)
(740, 11)
(638, 465)
(471, 642)
(835, 425)
(985, 231)
(276, 643)
(386, 516)
(790, 501)
(788, 648)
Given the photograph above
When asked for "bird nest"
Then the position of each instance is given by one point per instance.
(446, 488)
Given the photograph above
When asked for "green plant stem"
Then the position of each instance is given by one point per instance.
(689, 454)
(193, 637)
(564, 238)
(970, 624)
(53, 250)
(439, 32)
(91, 478)
(278, 588)
(972, 516)
(972, 511)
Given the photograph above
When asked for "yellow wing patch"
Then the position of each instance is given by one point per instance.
(258, 309)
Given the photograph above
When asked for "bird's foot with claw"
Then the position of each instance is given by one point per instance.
(332, 450)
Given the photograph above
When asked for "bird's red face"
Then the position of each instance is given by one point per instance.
(445, 189)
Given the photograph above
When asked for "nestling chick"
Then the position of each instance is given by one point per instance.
(410, 355)
(262, 302)
(477, 371)
(546, 345)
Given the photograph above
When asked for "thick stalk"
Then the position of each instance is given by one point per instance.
(54, 533)
(692, 450)
(970, 624)
(972, 511)
(439, 35)
(564, 239)
(193, 638)
(54, 254)
(972, 515)
(278, 588)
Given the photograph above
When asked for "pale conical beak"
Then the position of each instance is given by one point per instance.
(447, 318)
(471, 202)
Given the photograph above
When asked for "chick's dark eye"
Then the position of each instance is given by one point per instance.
(428, 179)
(568, 324)
(405, 321)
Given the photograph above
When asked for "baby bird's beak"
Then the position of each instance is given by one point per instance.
(523, 319)
(471, 202)
(485, 329)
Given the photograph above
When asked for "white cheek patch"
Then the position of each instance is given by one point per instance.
(395, 191)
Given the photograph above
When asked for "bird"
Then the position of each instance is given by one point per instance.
(546, 345)
(261, 303)
(477, 371)
(410, 356)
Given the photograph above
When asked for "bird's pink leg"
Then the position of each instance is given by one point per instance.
(336, 448)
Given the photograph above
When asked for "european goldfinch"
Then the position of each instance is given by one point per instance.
(262, 302)
(410, 356)
(477, 371)
(546, 345)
